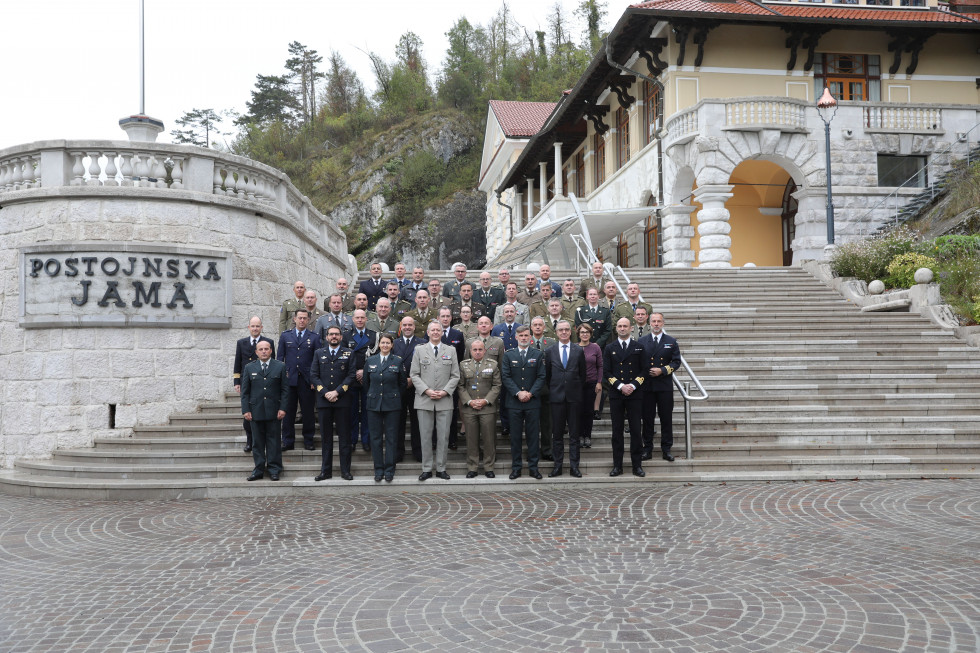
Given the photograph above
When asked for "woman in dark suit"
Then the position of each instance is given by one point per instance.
(384, 378)
(593, 382)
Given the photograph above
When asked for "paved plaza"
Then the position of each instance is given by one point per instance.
(846, 566)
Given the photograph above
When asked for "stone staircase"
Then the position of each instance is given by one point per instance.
(803, 387)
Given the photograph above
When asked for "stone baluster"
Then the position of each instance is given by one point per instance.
(177, 174)
(77, 170)
(94, 169)
(4, 175)
(18, 177)
(127, 168)
(217, 180)
(159, 171)
(713, 226)
(143, 170)
(110, 169)
(230, 182)
(240, 184)
(253, 187)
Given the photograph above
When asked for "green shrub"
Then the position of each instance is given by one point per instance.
(948, 248)
(901, 271)
(868, 259)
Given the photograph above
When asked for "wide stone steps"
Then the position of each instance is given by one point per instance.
(803, 387)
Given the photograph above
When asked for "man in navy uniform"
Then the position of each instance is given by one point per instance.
(658, 391)
(333, 373)
(334, 317)
(296, 349)
(545, 272)
(404, 348)
(490, 296)
(524, 378)
(400, 275)
(245, 354)
(416, 284)
(363, 342)
(565, 364)
(264, 392)
(624, 364)
(507, 330)
(596, 316)
(373, 287)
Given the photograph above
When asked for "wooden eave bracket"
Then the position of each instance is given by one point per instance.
(594, 113)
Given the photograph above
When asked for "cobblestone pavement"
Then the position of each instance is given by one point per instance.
(847, 566)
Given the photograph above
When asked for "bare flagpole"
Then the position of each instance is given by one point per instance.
(142, 127)
(142, 65)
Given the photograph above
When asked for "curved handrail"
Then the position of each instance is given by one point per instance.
(697, 383)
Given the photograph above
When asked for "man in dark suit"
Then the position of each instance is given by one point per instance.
(524, 378)
(333, 372)
(373, 287)
(296, 349)
(245, 354)
(565, 365)
(490, 296)
(363, 342)
(264, 392)
(624, 364)
(658, 392)
(404, 348)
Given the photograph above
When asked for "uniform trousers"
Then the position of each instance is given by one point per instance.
(525, 422)
(544, 424)
(440, 420)
(662, 402)
(383, 425)
(358, 418)
(304, 395)
(409, 413)
(562, 413)
(586, 411)
(481, 432)
(266, 445)
(247, 425)
(621, 410)
(335, 419)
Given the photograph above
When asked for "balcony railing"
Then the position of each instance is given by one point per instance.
(903, 118)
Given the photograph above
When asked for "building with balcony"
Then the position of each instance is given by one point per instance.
(692, 138)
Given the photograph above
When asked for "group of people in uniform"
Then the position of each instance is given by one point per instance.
(534, 357)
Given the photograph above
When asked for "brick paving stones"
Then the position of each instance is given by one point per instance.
(847, 566)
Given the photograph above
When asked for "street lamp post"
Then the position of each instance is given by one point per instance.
(827, 108)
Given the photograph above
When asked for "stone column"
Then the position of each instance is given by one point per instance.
(518, 215)
(543, 182)
(677, 234)
(713, 227)
(559, 189)
(811, 223)
(530, 199)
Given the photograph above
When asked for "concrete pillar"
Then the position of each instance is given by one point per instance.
(677, 234)
(811, 223)
(559, 189)
(518, 214)
(713, 228)
(530, 199)
(543, 182)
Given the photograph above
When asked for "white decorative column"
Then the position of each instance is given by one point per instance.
(811, 223)
(677, 234)
(559, 189)
(713, 228)
(530, 200)
(543, 182)
(518, 215)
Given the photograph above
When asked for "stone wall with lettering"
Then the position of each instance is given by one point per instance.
(121, 306)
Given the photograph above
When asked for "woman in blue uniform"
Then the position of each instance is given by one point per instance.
(384, 378)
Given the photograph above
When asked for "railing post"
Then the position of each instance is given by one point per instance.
(56, 168)
(688, 444)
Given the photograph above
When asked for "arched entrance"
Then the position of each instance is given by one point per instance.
(762, 220)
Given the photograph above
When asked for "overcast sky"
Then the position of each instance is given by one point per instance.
(71, 67)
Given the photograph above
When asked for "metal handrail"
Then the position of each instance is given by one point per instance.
(685, 389)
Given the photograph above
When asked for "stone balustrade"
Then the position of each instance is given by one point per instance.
(903, 118)
(99, 165)
(767, 113)
(682, 126)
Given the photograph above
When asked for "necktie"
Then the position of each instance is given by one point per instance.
(623, 343)
(265, 367)
(523, 355)
(299, 334)
(436, 351)
(554, 325)
(658, 340)
(253, 343)
(383, 359)
(564, 355)
(634, 308)
(333, 354)
(510, 329)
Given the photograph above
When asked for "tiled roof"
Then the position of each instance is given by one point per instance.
(843, 13)
(521, 119)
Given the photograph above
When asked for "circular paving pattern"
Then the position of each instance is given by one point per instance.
(862, 566)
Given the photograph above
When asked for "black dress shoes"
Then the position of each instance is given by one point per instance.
(274, 477)
(287, 448)
(347, 477)
(322, 476)
(668, 457)
(425, 476)
(647, 456)
(587, 443)
(534, 474)
(575, 472)
(309, 447)
(389, 478)
(490, 474)
(452, 446)
(378, 477)
(595, 414)
(247, 448)
(443, 475)
(616, 471)
(548, 457)
(555, 472)
(470, 474)
(515, 474)
(638, 471)
(254, 476)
